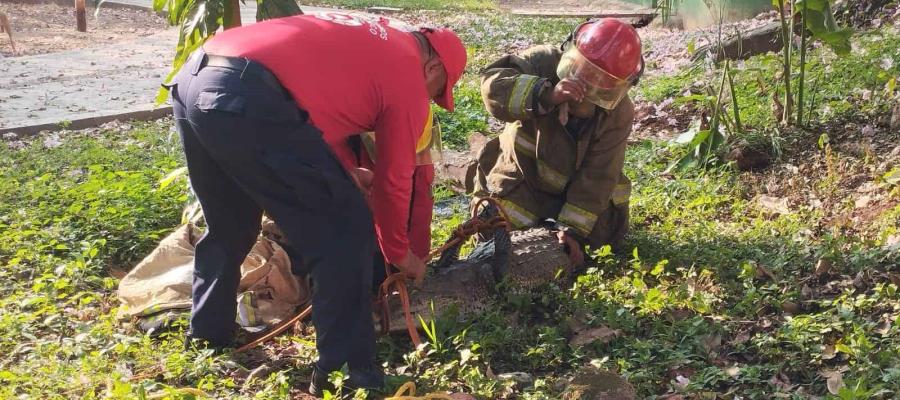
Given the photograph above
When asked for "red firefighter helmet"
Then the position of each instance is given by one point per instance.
(606, 58)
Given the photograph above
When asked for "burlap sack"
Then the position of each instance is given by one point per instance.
(268, 291)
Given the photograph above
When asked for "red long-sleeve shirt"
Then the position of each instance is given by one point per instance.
(352, 75)
(421, 202)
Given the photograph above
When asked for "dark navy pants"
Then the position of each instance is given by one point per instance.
(249, 149)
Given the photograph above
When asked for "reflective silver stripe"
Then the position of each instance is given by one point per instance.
(519, 217)
(621, 193)
(578, 218)
(525, 145)
(521, 90)
(549, 176)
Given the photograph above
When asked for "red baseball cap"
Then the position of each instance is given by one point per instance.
(452, 53)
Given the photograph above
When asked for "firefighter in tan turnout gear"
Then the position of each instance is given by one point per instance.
(568, 119)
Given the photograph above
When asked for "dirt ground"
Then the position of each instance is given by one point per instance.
(48, 28)
(568, 5)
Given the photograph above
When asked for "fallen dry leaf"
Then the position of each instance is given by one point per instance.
(733, 371)
(834, 380)
(790, 308)
(117, 273)
(823, 267)
(863, 201)
(884, 326)
(490, 373)
(807, 292)
(781, 381)
(828, 352)
(711, 343)
(892, 242)
(461, 396)
(603, 334)
(741, 337)
(763, 272)
(895, 279)
(776, 205)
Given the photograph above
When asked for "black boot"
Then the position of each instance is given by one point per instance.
(369, 377)
(192, 343)
(318, 382)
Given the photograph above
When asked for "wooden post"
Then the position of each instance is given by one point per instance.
(6, 27)
(80, 18)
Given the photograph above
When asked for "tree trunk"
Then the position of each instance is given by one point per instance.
(80, 17)
(786, 35)
(802, 89)
(748, 44)
(232, 17)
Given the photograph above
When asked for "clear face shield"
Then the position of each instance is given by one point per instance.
(602, 88)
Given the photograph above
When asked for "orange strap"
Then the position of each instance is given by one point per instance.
(396, 282)
(277, 329)
(475, 225)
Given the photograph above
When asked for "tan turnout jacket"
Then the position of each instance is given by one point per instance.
(538, 168)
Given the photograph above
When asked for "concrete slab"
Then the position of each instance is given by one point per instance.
(78, 84)
(78, 88)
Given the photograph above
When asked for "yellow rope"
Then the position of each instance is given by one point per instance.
(408, 392)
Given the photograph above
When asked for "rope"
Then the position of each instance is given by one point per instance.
(408, 392)
(396, 281)
(475, 225)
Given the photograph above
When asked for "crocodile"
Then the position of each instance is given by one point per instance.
(518, 261)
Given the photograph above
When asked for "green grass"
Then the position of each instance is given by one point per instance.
(714, 297)
(687, 295)
(838, 88)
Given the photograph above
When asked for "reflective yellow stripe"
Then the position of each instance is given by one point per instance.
(368, 141)
(549, 176)
(246, 315)
(621, 193)
(578, 218)
(151, 310)
(526, 145)
(518, 216)
(521, 90)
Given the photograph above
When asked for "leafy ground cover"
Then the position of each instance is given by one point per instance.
(779, 283)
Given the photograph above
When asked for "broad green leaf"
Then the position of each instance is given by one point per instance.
(823, 140)
(819, 19)
(688, 135)
(659, 268)
(843, 348)
(892, 177)
(171, 177)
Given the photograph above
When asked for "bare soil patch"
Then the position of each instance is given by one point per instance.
(568, 5)
(49, 27)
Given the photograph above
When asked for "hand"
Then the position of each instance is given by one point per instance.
(413, 267)
(573, 248)
(567, 90)
(363, 179)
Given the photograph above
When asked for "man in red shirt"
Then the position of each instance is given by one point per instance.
(260, 109)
